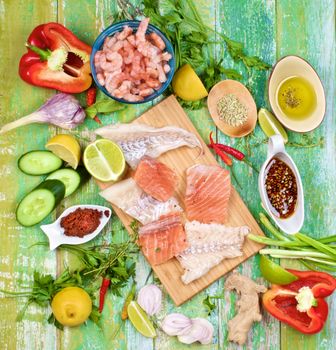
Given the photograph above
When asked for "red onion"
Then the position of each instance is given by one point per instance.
(61, 110)
(149, 298)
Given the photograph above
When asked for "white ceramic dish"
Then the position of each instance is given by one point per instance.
(55, 232)
(293, 223)
(285, 68)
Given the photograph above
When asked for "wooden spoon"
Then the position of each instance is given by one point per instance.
(226, 87)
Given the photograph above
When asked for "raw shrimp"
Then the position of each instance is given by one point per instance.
(152, 72)
(129, 52)
(148, 50)
(153, 83)
(119, 44)
(162, 75)
(140, 34)
(115, 59)
(157, 41)
(115, 82)
(108, 66)
(131, 40)
(146, 92)
(133, 98)
(123, 89)
(109, 76)
(101, 79)
(125, 33)
(166, 68)
(108, 42)
(96, 62)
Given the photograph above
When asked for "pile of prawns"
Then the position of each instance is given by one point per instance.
(132, 66)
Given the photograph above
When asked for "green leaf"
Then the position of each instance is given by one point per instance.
(166, 7)
(209, 305)
(104, 106)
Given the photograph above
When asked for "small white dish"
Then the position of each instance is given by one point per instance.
(285, 68)
(293, 223)
(55, 232)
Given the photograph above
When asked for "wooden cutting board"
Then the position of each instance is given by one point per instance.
(169, 112)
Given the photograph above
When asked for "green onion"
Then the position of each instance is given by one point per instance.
(316, 244)
(269, 241)
(264, 220)
(293, 253)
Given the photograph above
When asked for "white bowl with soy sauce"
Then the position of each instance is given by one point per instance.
(280, 187)
(296, 94)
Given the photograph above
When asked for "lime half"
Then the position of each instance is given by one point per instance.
(270, 125)
(140, 320)
(104, 160)
(274, 273)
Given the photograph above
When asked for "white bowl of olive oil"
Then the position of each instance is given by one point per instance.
(296, 94)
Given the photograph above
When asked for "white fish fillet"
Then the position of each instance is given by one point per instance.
(130, 198)
(138, 140)
(209, 245)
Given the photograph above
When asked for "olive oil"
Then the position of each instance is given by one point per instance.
(296, 98)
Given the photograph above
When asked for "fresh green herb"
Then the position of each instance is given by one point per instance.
(209, 305)
(46, 286)
(104, 106)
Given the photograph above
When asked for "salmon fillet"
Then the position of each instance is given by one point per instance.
(155, 178)
(163, 239)
(207, 193)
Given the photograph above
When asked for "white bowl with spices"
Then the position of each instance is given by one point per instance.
(232, 108)
(56, 233)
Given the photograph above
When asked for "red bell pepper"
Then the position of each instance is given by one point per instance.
(301, 303)
(56, 59)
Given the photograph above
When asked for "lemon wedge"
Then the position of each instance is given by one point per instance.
(187, 85)
(140, 320)
(270, 125)
(65, 147)
(104, 160)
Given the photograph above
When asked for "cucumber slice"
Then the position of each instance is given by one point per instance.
(39, 162)
(40, 202)
(71, 178)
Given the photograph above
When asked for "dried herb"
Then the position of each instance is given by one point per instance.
(231, 110)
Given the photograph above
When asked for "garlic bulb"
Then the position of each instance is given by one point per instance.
(149, 298)
(176, 324)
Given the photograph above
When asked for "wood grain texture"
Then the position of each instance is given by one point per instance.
(268, 28)
(169, 112)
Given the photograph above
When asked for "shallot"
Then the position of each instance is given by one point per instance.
(61, 110)
(149, 298)
(201, 331)
(176, 324)
(188, 330)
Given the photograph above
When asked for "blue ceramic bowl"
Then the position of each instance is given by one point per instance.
(117, 27)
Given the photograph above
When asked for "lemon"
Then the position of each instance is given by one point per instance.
(66, 147)
(274, 273)
(140, 320)
(270, 125)
(71, 306)
(187, 85)
(104, 160)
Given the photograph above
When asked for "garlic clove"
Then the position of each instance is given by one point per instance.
(176, 324)
(150, 298)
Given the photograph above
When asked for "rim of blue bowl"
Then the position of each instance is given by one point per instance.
(133, 24)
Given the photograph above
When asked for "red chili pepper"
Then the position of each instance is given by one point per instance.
(56, 59)
(225, 158)
(91, 99)
(280, 301)
(229, 150)
(103, 290)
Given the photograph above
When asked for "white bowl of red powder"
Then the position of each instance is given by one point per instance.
(77, 224)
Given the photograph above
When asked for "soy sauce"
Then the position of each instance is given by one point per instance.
(281, 188)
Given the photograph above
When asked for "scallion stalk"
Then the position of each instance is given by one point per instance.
(298, 254)
(264, 220)
(316, 244)
(269, 241)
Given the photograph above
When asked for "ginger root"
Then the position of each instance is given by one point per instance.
(247, 306)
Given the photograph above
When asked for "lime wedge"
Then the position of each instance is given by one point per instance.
(104, 160)
(274, 273)
(140, 320)
(270, 125)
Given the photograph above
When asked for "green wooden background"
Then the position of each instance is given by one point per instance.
(270, 29)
